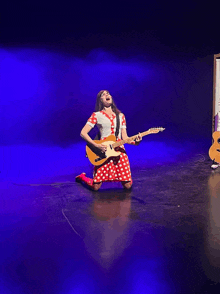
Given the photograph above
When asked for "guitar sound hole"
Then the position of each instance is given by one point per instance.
(218, 150)
(218, 140)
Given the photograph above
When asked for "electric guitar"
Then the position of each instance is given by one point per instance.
(97, 157)
(214, 150)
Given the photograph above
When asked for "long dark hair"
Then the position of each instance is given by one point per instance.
(99, 105)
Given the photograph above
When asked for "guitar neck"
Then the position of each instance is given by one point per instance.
(128, 140)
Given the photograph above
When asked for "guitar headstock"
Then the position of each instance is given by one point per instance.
(156, 130)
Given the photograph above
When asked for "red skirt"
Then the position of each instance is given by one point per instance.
(115, 169)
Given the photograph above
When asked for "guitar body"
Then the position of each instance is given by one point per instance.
(214, 151)
(98, 158)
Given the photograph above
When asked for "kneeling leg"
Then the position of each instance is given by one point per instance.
(89, 182)
(96, 186)
(127, 185)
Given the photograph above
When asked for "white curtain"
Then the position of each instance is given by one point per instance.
(217, 93)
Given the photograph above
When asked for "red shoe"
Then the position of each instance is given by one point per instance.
(82, 178)
(79, 177)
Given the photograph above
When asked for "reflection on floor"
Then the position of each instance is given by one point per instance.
(163, 236)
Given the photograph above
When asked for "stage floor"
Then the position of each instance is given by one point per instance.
(163, 236)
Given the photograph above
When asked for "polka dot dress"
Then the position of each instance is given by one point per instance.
(115, 169)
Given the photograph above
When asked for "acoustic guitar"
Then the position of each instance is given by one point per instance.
(214, 150)
(97, 157)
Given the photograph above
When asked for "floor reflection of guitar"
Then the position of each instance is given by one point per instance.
(214, 151)
(96, 157)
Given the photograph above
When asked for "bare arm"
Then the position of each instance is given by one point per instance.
(125, 136)
(84, 134)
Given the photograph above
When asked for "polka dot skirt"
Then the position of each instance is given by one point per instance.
(115, 169)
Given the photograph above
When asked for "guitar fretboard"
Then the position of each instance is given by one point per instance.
(130, 139)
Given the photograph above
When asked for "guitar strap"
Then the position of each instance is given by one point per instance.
(117, 126)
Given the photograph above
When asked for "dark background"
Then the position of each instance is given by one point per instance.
(155, 58)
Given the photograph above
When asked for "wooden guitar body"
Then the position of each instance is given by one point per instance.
(214, 151)
(98, 158)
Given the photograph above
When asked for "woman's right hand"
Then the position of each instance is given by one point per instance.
(102, 147)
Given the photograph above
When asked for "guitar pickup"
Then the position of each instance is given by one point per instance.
(99, 158)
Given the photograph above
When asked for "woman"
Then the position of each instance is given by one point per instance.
(115, 168)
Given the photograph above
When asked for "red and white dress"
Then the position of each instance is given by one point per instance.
(115, 169)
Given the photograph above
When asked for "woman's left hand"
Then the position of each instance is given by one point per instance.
(138, 139)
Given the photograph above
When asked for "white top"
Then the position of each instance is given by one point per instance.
(106, 124)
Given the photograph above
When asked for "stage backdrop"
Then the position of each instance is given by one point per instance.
(47, 96)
